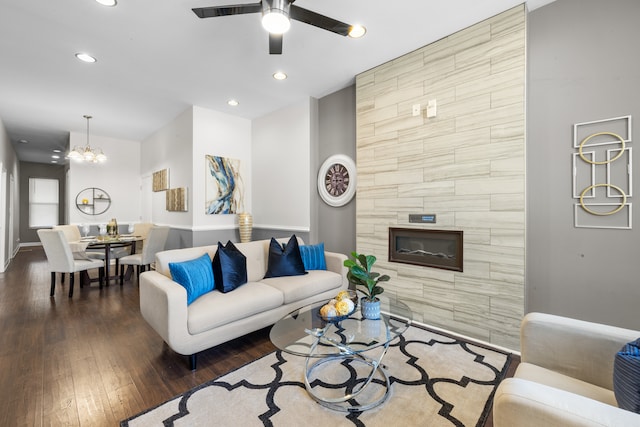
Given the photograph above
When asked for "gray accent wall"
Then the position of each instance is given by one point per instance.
(38, 170)
(583, 65)
(335, 226)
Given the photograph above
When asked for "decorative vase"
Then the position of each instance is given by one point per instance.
(370, 309)
(112, 228)
(245, 221)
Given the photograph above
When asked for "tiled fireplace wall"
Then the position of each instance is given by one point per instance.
(467, 166)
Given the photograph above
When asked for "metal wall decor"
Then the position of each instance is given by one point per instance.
(602, 173)
(93, 201)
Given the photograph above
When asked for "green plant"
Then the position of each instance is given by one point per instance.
(360, 274)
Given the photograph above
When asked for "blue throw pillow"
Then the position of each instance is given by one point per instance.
(229, 267)
(626, 377)
(313, 257)
(284, 261)
(196, 276)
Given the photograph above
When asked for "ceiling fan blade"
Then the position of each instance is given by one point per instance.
(320, 21)
(275, 44)
(233, 9)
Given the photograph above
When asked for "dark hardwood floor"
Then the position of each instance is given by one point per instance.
(91, 360)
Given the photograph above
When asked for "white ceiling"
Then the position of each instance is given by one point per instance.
(156, 58)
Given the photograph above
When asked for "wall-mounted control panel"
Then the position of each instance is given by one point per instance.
(423, 218)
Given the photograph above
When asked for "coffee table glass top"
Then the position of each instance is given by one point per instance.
(299, 330)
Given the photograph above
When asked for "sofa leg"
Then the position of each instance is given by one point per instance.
(192, 361)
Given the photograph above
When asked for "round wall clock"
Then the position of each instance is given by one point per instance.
(337, 180)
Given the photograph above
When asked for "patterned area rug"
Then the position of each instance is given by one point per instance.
(436, 380)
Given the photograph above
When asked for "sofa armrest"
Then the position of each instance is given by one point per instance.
(335, 263)
(523, 403)
(576, 348)
(163, 304)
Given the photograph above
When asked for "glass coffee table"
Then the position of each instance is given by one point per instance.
(343, 369)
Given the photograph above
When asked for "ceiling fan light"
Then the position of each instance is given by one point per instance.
(276, 21)
(357, 31)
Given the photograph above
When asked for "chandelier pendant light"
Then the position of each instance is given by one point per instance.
(86, 153)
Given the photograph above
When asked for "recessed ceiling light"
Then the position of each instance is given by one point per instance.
(55, 156)
(107, 2)
(57, 151)
(23, 141)
(233, 102)
(357, 31)
(85, 57)
(54, 161)
(279, 75)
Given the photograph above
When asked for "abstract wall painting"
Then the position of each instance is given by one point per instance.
(224, 191)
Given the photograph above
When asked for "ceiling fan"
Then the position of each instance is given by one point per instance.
(276, 15)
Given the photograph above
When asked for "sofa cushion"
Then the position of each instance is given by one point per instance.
(229, 268)
(313, 257)
(196, 276)
(626, 376)
(301, 287)
(284, 261)
(535, 373)
(216, 309)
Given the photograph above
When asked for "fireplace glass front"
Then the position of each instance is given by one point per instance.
(429, 248)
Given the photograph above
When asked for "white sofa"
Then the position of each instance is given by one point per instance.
(565, 377)
(217, 317)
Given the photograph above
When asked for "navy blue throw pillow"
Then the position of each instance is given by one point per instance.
(284, 261)
(626, 377)
(229, 267)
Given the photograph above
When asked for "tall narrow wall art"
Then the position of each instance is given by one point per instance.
(161, 180)
(602, 173)
(223, 186)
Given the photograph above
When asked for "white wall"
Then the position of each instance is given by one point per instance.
(9, 163)
(218, 134)
(119, 176)
(171, 148)
(281, 185)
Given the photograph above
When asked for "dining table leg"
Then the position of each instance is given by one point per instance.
(107, 262)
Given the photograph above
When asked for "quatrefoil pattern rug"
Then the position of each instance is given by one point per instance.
(436, 380)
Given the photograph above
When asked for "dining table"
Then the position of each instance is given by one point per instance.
(107, 243)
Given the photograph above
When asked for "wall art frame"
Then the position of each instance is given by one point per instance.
(160, 180)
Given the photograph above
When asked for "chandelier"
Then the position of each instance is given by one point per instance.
(86, 153)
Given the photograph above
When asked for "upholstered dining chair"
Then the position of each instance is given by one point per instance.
(61, 260)
(72, 233)
(156, 240)
(141, 229)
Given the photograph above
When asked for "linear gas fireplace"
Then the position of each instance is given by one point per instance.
(429, 248)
